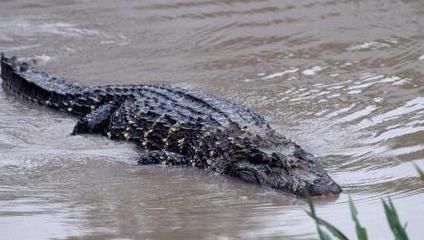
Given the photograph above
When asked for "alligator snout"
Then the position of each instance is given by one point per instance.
(324, 186)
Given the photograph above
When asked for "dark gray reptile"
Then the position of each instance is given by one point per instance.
(174, 126)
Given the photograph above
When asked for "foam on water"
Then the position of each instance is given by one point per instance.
(280, 74)
(312, 71)
(368, 45)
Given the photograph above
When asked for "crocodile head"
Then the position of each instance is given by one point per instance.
(290, 170)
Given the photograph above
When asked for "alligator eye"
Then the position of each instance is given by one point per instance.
(277, 160)
(257, 158)
(276, 163)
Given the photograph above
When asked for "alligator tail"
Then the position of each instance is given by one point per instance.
(20, 79)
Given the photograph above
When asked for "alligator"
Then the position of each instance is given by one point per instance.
(178, 127)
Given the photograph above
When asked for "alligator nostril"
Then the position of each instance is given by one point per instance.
(320, 187)
(334, 188)
(316, 181)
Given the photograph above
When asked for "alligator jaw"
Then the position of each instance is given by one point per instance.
(293, 173)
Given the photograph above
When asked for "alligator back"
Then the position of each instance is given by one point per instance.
(151, 103)
(22, 80)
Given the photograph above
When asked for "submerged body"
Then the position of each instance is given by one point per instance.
(174, 126)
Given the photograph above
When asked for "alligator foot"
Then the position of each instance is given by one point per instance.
(162, 157)
(95, 122)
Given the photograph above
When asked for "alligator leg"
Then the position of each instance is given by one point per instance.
(95, 122)
(162, 157)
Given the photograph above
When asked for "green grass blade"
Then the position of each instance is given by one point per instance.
(394, 222)
(321, 234)
(420, 172)
(330, 227)
(361, 232)
(319, 221)
(325, 236)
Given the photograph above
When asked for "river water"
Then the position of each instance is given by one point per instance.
(342, 78)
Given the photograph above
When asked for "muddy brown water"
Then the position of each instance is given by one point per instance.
(342, 78)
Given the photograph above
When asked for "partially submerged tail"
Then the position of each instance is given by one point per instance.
(20, 79)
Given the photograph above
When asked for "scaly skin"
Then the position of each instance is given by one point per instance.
(174, 126)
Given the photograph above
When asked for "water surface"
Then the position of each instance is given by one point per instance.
(342, 78)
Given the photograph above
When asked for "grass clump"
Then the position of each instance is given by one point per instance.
(398, 230)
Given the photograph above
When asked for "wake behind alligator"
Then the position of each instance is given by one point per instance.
(174, 126)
